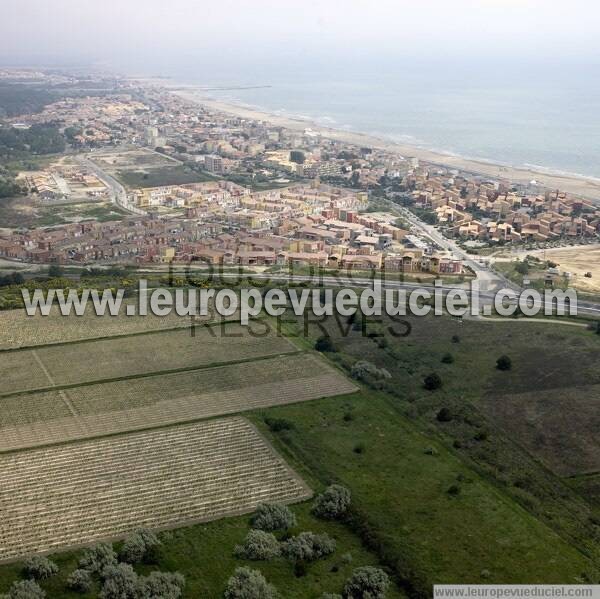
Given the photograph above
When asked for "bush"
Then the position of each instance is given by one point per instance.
(367, 582)
(249, 584)
(25, 589)
(273, 516)
(324, 344)
(162, 585)
(332, 503)
(359, 448)
(454, 490)
(80, 581)
(447, 359)
(363, 370)
(444, 415)
(120, 582)
(258, 545)
(307, 547)
(142, 546)
(40, 568)
(277, 425)
(432, 381)
(455, 339)
(504, 363)
(97, 558)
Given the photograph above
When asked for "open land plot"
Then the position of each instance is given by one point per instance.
(120, 357)
(138, 158)
(560, 426)
(144, 168)
(78, 493)
(137, 403)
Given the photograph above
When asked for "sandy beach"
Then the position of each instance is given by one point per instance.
(583, 186)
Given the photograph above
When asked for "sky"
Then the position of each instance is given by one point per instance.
(154, 36)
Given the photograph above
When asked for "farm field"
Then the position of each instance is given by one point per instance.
(77, 493)
(131, 404)
(128, 356)
(19, 330)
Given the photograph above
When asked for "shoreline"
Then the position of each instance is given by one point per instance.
(579, 185)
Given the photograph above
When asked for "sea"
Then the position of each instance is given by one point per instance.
(545, 117)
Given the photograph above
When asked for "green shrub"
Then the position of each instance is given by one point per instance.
(307, 547)
(504, 363)
(97, 558)
(249, 584)
(142, 546)
(432, 381)
(25, 589)
(162, 585)
(258, 545)
(273, 516)
(332, 503)
(40, 568)
(80, 580)
(367, 582)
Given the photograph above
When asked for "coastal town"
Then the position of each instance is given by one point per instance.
(174, 181)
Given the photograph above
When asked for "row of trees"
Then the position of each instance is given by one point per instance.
(113, 573)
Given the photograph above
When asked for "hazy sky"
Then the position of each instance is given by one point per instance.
(155, 34)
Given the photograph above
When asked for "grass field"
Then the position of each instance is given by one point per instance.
(401, 480)
(136, 403)
(176, 174)
(545, 359)
(560, 426)
(75, 494)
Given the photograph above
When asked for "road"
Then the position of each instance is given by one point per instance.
(117, 192)
(487, 277)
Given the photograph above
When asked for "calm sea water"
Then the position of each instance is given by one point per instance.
(541, 117)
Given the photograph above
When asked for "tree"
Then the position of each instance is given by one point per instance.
(40, 568)
(367, 582)
(273, 516)
(25, 589)
(249, 584)
(139, 547)
(80, 580)
(432, 381)
(162, 585)
(55, 271)
(447, 358)
(332, 503)
(324, 344)
(258, 545)
(307, 547)
(297, 156)
(444, 415)
(504, 363)
(522, 268)
(119, 582)
(364, 370)
(97, 558)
